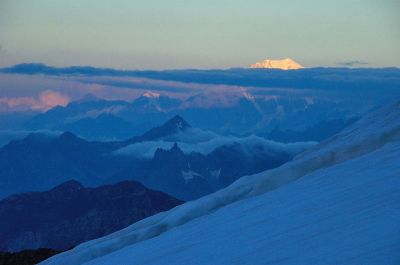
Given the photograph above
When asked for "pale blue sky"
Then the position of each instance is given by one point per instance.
(156, 34)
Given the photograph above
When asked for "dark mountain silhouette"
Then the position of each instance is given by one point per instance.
(93, 118)
(60, 116)
(70, 214)
(39, 162)
(104, 126)
(190, 176)
(26, 257)
(174, 125)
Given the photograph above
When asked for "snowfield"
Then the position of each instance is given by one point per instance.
(338, 203)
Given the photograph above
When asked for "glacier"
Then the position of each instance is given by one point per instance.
(337, 203)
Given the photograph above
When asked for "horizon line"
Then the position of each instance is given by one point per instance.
(88, 66)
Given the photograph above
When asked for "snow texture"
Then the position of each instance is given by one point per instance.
(338, 203)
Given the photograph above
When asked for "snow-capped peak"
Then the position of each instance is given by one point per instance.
(150, 94)
(284, 64)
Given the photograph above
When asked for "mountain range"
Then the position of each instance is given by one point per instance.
(40, 162)
(70, 214)
(193, 175)
(336, 203)
(237, 114)
(265, 166)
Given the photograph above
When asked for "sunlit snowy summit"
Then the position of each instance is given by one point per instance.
(284, 64)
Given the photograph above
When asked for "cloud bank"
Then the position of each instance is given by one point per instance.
(46, 100)
(352, 63)
(204, 142)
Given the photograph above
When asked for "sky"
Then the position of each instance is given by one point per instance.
(159, 34)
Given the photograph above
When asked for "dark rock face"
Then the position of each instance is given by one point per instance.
(70, 214)
(39, 162)
(26, 257)
(190, 176)
(174, 125)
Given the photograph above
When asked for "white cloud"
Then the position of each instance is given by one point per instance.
(196, 140)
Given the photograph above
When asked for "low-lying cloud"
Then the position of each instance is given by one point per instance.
(46, 100)
(352, 63)
(204, 142)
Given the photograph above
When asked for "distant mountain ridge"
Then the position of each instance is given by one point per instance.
(39, 162)
(190, 176)
(239, 113)
(70, 214)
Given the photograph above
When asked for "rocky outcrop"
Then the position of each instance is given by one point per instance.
(70, 214)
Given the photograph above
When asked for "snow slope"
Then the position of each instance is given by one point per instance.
(344, 209)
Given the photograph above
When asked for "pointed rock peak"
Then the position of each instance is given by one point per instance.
(150, 94)
(70, 138)
(172, 126)
(176, 150)
(70, 185)
(68, 135)
(163, 154)
(283, 64)
(178, 122)
(175, 147)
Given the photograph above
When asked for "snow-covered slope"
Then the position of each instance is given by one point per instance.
(344, 208)
(284, 64)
